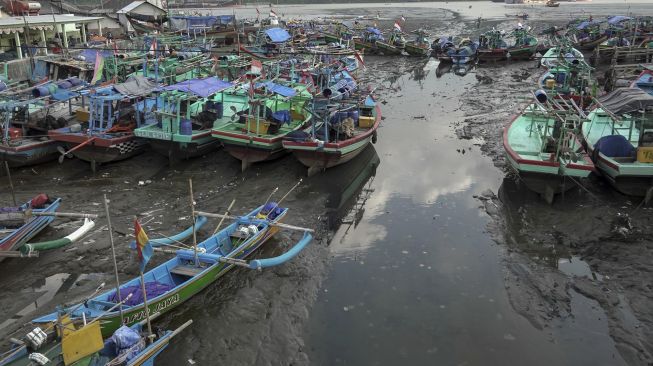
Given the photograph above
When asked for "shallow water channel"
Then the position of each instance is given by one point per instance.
(414, 276)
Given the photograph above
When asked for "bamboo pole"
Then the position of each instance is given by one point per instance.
(11, 184)
(225, 216)
(192, 210)
(277, 224)
(146, 309)
(113, 252)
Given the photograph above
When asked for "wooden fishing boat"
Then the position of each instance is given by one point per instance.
(269, 44)
(420, 46)
(568, 82)
(256, 128)
(543, 148)
(492, 47)
(524, 46)
(395, 44)
(463, 53)
(175, 281)
(619, 138)
(179, 119)
(552, 4)
(108, 134)
(19, 226)
(64, 343)
(324, 145)
(564, 55)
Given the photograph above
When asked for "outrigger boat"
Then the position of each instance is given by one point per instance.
(22, 223)
(179, 119)
(268, 112)
(542, 146)
(619, 137)
(344, 124)
(109, 134)
(175, 281)
(69, 344)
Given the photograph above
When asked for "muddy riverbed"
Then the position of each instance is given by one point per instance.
(428, 250)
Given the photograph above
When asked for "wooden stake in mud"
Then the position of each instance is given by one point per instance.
(11, 184)
(113, 252)
(192, 210)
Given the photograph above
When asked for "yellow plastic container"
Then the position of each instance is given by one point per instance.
(550, 83)
(365, 122)
(82, 114)
(645, 154)
(262, 125)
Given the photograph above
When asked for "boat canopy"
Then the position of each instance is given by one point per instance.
(626, 100)
(201, 87)
(374, 31)
(277, 35)
(587, 23)
(136, 86)
(282, 90)
(618, 19)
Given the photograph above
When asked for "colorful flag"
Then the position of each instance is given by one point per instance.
(403, 19)
(99, 68)
(359, 57)
(153, 47)
(257, 67)
(143, 246)
(397, 27)
(273, 14)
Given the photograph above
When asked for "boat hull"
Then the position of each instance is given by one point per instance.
(182, 150)
(103, 148)
(630, 180)
(414, 50)
(29, 154)
(492, 55)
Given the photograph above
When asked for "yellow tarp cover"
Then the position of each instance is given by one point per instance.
(81, 343)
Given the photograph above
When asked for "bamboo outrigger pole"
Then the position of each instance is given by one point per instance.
(225, 215)
(192, 210)
(113, 252)
(11, 184)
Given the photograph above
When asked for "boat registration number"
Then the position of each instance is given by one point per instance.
(158, 308)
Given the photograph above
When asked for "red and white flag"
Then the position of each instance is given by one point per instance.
(273, 14)
(257, 67)
(359, 57)
(153, 47)
(397, 26)
(403, 19)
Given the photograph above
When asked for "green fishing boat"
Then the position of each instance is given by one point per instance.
(541, 145)
(268, 112)
(179, 119)
(524, 46)
(619, 138)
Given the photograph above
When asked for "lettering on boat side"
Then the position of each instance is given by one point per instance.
(156, 135)
(159, 307)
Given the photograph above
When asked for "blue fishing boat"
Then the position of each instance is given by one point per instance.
(190, 271)
(23, 223)
(268, 44)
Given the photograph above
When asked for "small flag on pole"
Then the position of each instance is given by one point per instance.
(359, 57)
(403, 19)
(143, 246)
(397, 26)
(273, 14)
(257, 67)
(153, 47)
(99, 68)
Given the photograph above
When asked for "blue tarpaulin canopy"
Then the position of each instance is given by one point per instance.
(279, 89)
(374, 31)
(201, 87)
(618, 19)
(277, 35)
(587, 23)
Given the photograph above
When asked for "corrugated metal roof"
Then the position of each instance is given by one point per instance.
(41, 20)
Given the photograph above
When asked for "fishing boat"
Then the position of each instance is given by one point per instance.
(269, 44)
(420, 45)
(619, 137)
(175, 281)
(394, 45)
(345, 122)
(524, 46)
(463, 53)
(441, 48)
(552, 4)
(64, 343)
(563, 55)
(20, 224)
(492, 46)
(256, 127)
(106, 132)
(541, 145)
(571, 82)
(179, 119)
(587, 34)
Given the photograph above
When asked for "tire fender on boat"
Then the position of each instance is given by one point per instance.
(374, 137)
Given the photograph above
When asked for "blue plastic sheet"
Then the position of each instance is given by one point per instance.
(201, 87)
(281, 116)
(615, 146)
(618, 19)
(278, 35)
(280, 89)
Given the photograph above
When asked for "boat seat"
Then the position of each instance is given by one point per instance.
(188, 271)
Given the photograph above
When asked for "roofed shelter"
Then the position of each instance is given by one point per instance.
(24, 32)
(140, 10)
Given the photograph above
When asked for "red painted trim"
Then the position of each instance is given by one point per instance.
(342, 144)
(243, 137)
(26, 147)
(203, 134)
(79, 138)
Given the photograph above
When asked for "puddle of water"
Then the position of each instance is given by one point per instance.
(50, 287)
(575, 266)
(417, 279)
